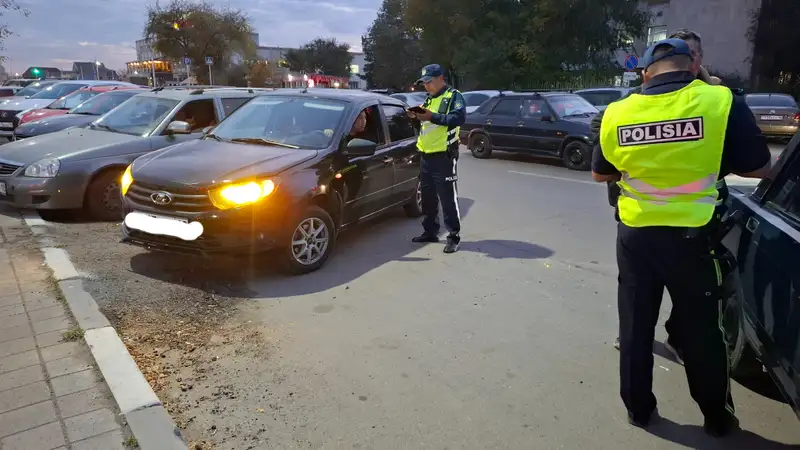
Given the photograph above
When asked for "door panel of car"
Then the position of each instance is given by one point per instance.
(769, 268)
(369, 182)
(501, 123)
(533, 132)
(403, 151)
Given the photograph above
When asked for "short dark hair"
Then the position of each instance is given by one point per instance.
(687, 35)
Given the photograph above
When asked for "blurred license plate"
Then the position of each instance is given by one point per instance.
(6, 124)
(771, 117)
(163, 225)
(3, 188)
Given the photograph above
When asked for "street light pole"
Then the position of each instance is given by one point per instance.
(210, 76)
(153, 69)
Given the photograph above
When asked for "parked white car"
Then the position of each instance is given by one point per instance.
(475, 99)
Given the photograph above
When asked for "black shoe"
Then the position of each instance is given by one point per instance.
(425, 238)
(676, 352)
(451, 247)
(721, 428)
(644, 420)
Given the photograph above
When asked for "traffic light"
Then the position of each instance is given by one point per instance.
(36, 71)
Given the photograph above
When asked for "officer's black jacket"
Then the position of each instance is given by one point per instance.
(745, 148)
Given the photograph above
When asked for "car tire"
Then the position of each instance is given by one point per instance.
(480, 146)
(414, 207)
(741, 356)
(103, 196)
(577, 155)
(296, 256)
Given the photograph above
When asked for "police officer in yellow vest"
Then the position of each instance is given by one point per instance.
(445, 112)
(666, 148)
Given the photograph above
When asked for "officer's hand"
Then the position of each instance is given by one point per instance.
(703, 75)
(328, 132)
(411, 114)
(426, 116)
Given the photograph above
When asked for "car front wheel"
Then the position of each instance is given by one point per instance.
(577, 156)
(103, 197)
(480, 146)
(311, 240)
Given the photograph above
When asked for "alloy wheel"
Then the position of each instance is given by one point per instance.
(310, 241)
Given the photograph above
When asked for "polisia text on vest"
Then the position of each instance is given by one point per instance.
(661, 132)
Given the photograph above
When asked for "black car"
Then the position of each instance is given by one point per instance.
(762, 317)
(551, 124)
(286, 172)
(83, 114)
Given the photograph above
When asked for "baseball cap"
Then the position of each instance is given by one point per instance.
(676, 46)
(430, 72)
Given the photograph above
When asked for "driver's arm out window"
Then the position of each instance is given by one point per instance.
(199, 114)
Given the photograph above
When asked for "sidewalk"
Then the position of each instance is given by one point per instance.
(51, 395)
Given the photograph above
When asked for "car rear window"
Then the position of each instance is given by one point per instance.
(770, 100)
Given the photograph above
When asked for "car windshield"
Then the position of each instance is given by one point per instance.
(298, 122)
(72, 100)
(140, 116)
(32, 89)
(103, 103)
(57, 90)
(770, 100)
(571, 105)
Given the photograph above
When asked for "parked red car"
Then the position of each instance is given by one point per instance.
(67, 102)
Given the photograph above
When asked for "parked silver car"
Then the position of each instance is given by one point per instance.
(81, 167)
(776, 114)
(601, 97)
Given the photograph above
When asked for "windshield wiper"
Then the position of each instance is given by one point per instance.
(263, 141)
(104, 127)
(215, 137)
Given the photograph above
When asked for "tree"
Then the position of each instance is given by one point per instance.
(392, 51)
(5, 31)
(321, 55)
(774, 36)
(259, 73)
(196, 30)
(508, 43)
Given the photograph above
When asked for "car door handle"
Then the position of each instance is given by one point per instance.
(388, 160)
(752, 224)
(488, 122)
(520, 124)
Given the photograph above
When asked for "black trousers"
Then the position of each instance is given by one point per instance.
(651, 259)
(438, 176)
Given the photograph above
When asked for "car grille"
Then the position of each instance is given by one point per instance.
(8, 169)
(185, 200)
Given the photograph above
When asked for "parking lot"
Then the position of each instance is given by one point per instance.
(506, 344)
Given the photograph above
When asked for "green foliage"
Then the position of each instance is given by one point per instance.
(5, 31)
(321, 55)
(774, 34)
(202, 30)
(507, 43)
(392, 51)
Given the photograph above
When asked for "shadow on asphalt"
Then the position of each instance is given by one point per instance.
(523, 157)
(359, 250)
(693, 436)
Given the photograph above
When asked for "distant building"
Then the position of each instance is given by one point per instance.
(93, 71)
(277, 56)
(42, 72)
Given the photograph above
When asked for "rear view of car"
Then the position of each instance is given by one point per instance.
(776, 114)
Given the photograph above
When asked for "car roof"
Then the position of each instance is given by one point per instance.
(767, 94)
(487, 92)
(113, 87)
(536, 93)
(348, 95)
(192, 92)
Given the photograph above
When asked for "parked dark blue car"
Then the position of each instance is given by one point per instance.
(762, 320)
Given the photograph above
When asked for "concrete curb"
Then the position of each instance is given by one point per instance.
(144, 413)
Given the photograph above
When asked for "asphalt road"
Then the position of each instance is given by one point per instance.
(506, 344)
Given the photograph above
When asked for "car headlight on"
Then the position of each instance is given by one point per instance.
(241, 194)
(45, 168)
(126, 180)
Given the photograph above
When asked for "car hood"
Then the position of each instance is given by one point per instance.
(25, 104)
(581, 120)
(41, 113)
(13, 98)
(80, 143)
(205, 162)
(52, 124)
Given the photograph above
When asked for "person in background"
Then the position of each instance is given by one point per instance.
(668, 217)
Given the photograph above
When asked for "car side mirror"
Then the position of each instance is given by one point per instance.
(546, 118)
(207, 130)
(179, 127)
(360, 147)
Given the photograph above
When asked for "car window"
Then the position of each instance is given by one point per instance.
(103, 103)
(308, 123)
(507, 107)
(786, 199)
(416, 98)
(571, 105)
(400, 97)
(372, 129)
(33, 88)
(72, 100)
(57, 90)
(756, 100)
(475, 99)
(534, 108)
(601, 98)
(232, 104)
(140, 116)
(400, 125)
(198, 114)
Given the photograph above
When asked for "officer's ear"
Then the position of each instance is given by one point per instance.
(646, 76)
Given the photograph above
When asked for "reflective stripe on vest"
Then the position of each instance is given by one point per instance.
(669, 150)
(437, 138)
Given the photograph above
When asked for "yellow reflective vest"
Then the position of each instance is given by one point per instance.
(437, 138)
(668, 148)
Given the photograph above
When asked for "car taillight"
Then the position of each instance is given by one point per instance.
(797, 117)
